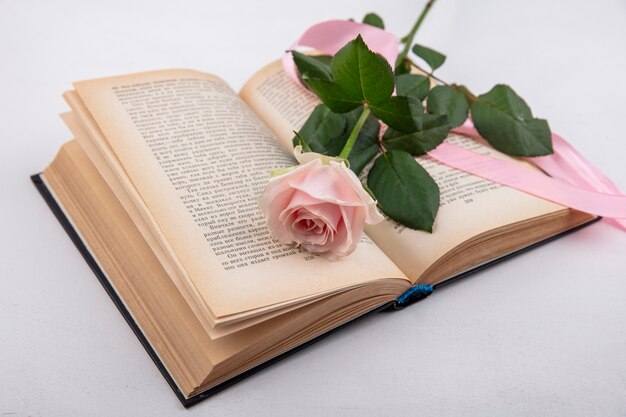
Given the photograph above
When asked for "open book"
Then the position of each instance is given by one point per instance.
(159, 190)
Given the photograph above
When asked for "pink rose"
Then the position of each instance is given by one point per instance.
(320, 205)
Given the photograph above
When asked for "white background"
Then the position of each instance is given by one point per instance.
(541, 334)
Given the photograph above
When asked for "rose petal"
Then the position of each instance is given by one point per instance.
(305, 157)
(319, 205)
(269, 207)
(373, 216)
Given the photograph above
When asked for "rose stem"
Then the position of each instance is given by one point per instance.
(430, 74)
(471, 97)
(345, 152)
(409, 37)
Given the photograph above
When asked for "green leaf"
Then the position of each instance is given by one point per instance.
(434, 130)
(446, 100)
(401, 113)
(363, 74)
(373, 19)
(403, 67)
(469, 96)
(313, 67)
(505, 120)
(326, 132)
(433, 58)
(325, 60)
(404, 190)
(299, 140)
(412, 85)
(331, 94)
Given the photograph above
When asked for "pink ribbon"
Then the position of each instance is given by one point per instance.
(573, 181)
(332, 35)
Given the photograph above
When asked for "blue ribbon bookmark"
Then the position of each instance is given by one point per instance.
(413, 294)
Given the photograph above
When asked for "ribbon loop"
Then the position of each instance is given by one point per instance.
(332, 35)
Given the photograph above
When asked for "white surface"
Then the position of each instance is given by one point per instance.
(542, 334)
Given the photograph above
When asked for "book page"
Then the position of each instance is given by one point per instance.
(194, 358)
(199, 159)
(283, 105)
(469, 205)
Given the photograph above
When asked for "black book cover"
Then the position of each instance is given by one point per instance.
(416, 293)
